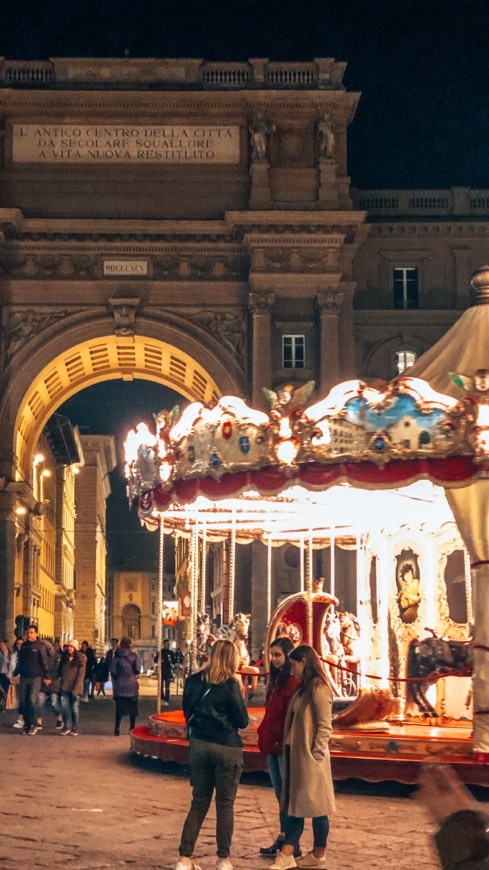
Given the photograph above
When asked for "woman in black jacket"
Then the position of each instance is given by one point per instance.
(214, 710)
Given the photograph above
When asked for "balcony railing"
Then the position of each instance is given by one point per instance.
(419, 203)
(188, 73)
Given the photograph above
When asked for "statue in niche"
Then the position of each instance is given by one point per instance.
(260, 130)
(408, 596)
(326, 138)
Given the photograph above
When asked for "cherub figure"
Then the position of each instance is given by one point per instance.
(476, 388)
(165, 420)
(287, 400)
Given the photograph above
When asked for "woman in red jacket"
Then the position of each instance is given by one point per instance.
(281, 687)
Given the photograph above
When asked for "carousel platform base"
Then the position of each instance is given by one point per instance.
(374, 751)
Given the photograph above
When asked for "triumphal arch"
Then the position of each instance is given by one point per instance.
(175, 220)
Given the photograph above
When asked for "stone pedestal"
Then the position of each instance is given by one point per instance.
(327, 190)
(260, 195)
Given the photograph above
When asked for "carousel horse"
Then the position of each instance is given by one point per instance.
(431, 659)
(334, 653)
(238, 632)
(204, 638)
(350, 637)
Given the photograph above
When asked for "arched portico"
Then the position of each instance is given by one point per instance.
(70, 356)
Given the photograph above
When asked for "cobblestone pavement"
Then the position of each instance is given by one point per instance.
(86, 802)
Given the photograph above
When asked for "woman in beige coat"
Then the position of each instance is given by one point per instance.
(307, 784)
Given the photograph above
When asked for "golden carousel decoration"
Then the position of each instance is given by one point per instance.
(358, 462)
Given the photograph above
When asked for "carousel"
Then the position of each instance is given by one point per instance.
(392, 476)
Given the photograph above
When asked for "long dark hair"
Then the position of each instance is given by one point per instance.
(313, 670)
(279, 676)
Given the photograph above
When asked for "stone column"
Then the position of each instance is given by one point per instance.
(260, 305)
(329, 305)
(7, 563)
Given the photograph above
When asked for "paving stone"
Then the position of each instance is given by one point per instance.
(87, 804)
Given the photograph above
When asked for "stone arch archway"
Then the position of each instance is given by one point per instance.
(47, 373)
(74, 353)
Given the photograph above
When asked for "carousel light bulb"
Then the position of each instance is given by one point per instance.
(38, 458)
(285, 430)
(165, 471)
(287, 451)
(21, 510)
(483, 416)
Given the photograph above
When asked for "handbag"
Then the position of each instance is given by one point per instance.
(12, 701)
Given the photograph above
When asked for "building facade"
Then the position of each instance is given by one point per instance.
(193, 223)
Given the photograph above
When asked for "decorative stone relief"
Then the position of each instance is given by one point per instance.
(329, 302)
(23, 325)
(261, 303)
(295, 260)
(260, 131)
(228, 326)
(124, 312)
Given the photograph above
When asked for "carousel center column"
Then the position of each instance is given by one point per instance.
(260, 304)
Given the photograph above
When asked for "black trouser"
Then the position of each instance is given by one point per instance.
(29, 689)
(212, 766)
(165, 689)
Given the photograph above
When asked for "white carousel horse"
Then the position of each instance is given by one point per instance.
(350, 640)
(204, 639)
(334, 653)
(238, 632)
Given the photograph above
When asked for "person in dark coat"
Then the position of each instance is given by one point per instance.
(101, 674)
(34, 672)
(51, 694)
(125, 671)
(89, 684)
(167, 665)
(71, 679)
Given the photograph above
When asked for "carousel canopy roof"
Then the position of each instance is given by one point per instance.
(293, 469)
(464, 349)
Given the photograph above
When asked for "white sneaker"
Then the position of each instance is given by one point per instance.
(283, 862)
(18, 724)
(224, 864)
(165, 704)
(184, 863)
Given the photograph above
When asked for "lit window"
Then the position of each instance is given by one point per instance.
(405, 286)
(404, 360)
(293, 351)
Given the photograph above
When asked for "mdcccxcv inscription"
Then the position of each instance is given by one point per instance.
(120, 143)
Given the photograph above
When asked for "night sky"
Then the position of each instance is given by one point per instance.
(422, 121)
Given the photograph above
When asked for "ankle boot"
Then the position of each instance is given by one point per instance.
(271, 851)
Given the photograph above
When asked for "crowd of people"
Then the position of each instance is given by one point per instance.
(36, 674)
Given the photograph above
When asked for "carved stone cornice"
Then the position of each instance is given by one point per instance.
(296, 260)
(79, 261)
(261, 302)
